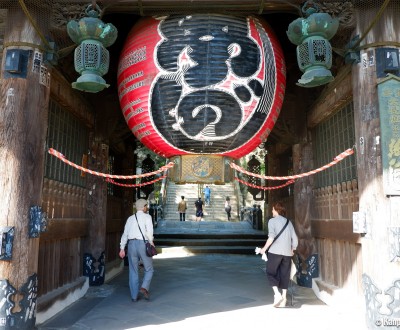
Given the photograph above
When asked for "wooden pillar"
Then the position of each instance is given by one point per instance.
(302, 163)
(379, 273)
(129, 168)
(23, 125)
(272, 170)
(94, 266)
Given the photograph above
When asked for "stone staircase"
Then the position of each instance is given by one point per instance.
(215, 237)
(212, 243)
(215, 211)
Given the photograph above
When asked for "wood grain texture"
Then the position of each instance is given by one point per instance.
(23, 125)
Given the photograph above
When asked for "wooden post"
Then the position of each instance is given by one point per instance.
(302, 163)
(272, 170)
(94, 266)
(23, 125)
(129, 168)
(379, 273)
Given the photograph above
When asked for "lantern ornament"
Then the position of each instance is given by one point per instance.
(201, 84)
(314, 52)
(91, 56)
(201, 89)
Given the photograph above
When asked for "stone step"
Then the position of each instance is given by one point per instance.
(215, 211)
(210, 214)
(193, 250)
(195, 243)
(211, 236)
(210, 243)
(215, 237)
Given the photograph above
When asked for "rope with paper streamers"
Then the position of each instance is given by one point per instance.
(265, 188)
(336, 160)
(136, 185)
(60, 156)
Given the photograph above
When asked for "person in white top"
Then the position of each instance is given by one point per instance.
(283, 236)
(137, 249)
(228, 207)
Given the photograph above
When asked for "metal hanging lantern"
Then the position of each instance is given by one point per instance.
(91, 56)
(314, 52)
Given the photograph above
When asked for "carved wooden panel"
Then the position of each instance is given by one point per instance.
(60, 200)
(336, 202)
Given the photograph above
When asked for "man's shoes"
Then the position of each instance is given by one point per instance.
(145, 293)
(135, 300)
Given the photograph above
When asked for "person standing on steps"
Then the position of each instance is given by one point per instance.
(182, 209)
(199, 209)
(228, 207)
(280, 246)
(137, 249)
(207, 195)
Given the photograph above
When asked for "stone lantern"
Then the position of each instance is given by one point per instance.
(91, 56)
(314, 52)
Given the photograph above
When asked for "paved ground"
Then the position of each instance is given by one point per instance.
(211, 291)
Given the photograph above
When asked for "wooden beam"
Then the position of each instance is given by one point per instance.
(115, 225)
(46, 301)
(333, 98)
(148, 7)
(341, 230)
(62, 92)
(59, 229)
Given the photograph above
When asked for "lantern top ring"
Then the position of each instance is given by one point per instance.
(310, 8)
(93, 11)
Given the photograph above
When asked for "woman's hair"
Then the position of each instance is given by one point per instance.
(279, 208)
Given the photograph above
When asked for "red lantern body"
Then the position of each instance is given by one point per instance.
(201, 84)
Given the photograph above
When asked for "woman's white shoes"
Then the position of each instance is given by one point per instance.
(279, 301)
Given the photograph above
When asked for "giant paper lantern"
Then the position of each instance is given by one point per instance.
(201, 84)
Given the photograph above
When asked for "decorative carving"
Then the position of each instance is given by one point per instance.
(202, 167)
(25, 318)
(53, 201)
(62, 14)
(343, 11)
(37, 221)
(6, 291)
(382, 307)
(306, 270)
(96, 275)
(198, 169)
(338, 201)
(6, 242)
(394, 244)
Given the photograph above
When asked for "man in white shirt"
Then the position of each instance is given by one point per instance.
(137, 249)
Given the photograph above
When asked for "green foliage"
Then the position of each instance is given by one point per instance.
(141, 151)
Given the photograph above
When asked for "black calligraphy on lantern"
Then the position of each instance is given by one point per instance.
(210, 93)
